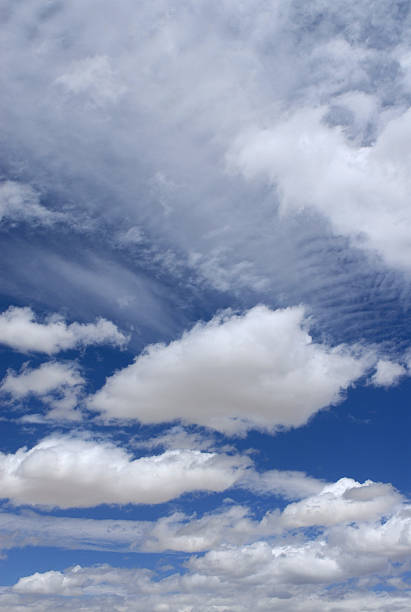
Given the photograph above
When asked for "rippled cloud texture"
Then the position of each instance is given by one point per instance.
(205, 305)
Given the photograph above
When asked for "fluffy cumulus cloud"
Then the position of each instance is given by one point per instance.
(261, 369)
(21, 330)
(389, 538)
(343, 502)
(74, 472)
(58, 385)
(42, 380)
(51, 582)
(387, 373)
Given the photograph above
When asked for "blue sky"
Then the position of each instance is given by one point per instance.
(205, 305)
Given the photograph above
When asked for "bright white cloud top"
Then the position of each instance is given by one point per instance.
(264, 360)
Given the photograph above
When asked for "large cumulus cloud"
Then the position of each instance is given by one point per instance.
(73, 472)
(260, 369)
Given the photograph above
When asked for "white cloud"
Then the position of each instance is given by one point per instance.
(111, 588)
(288, 484)
(20, 202)
(51, 582)
(244, 557)
(49, 376)
(77, 580)
(390, 538)
(261, 369)
(382, 526)
(179, 437)
(387, 373)
(191, 534)
(30, 528)
(304, 563)
(362, 190)
(229, 525)
(58, 385)
(108, 588)
(72, 472)
(20, 330)
(342, 502)
(178, 532)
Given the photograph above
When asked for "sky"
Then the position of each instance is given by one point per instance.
(205, 305)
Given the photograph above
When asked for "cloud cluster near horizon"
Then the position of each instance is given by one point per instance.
(361, 531)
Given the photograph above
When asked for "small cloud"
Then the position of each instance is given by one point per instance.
(20, 330)
(387, 373)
